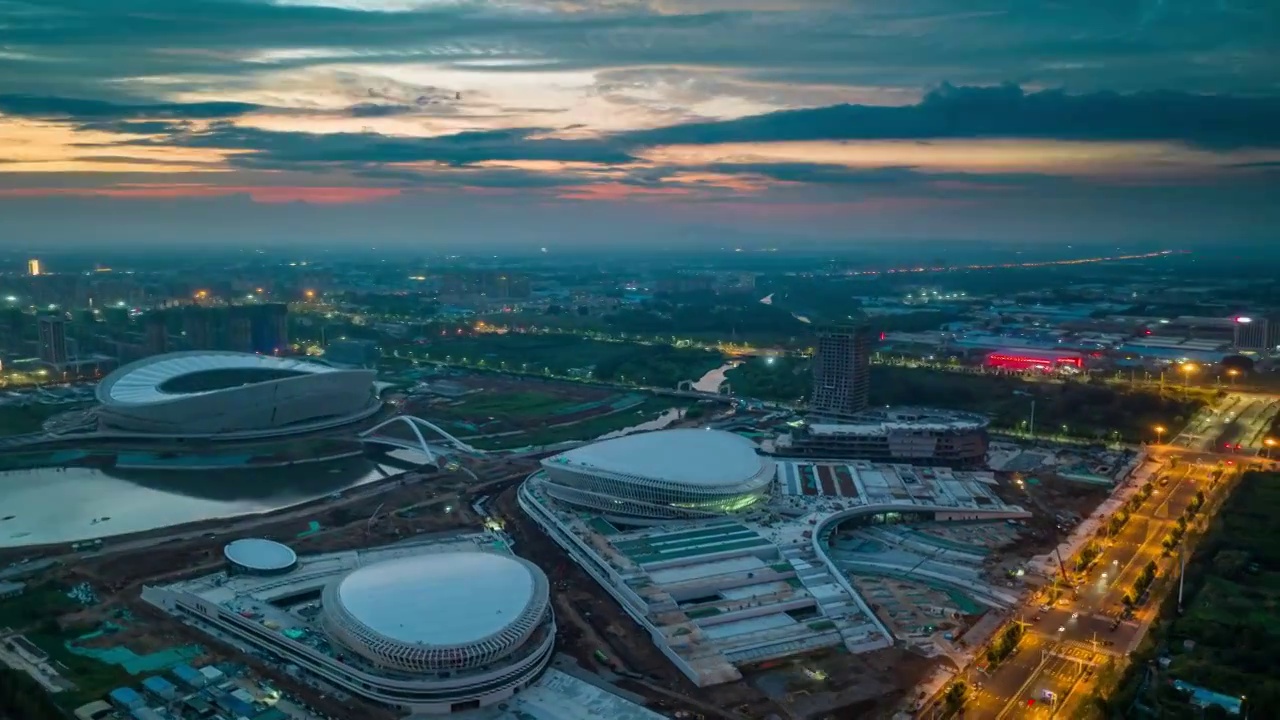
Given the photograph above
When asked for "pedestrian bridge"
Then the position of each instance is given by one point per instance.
(441, 443)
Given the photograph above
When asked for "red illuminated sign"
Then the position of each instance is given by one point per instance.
(1026, 362)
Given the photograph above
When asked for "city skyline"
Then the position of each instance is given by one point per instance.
(599, 123)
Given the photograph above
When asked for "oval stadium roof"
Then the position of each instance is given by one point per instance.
(707, 458)
(139, 383)
(452, 599)
(260, 554)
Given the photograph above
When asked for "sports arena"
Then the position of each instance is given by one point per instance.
(231, 395)
(662, 475)
(433, 628)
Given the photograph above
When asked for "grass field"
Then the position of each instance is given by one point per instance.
(583, 430)
(509, 405)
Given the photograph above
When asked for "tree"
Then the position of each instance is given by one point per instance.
(1239, 363)
(1230, 563)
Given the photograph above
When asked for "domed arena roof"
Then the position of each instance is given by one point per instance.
(686, 456)
(437, 611)
(260, 555)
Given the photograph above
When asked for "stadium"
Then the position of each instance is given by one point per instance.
(431, 628)
(231, 395)
(662, 475)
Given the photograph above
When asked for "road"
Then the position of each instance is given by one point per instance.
(1237, 424)
(1061, 644)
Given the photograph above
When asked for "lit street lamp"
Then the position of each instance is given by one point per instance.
(1270, 443)
(1232, 373)
(1187, 369)
(1159, 433)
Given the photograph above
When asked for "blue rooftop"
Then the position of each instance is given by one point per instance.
(158, 684)
(126, 696)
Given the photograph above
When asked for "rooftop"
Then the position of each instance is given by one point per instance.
(260, 554)
(707, 458)
(441, 599)
(143, 382)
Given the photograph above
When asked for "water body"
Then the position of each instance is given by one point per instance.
(712, 381)
(60, 504)
(667, 417)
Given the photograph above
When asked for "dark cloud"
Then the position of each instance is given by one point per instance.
(371, 110)
(818, 173)
(63, 108)
(136, 127)
(298, 150)
(1007, 112)
(70, 47)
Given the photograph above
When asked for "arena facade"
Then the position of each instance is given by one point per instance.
(663, 475)
(431, 628)
(228, 395)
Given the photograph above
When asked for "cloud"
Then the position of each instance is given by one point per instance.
(1007, 111)
(296, 150)
(62, 108)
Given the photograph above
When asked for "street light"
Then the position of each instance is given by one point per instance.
(1187, 369)
(1270, 443)
(1232, 373)
(1159, 433)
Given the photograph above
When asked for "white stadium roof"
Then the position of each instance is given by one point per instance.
(139, 383)
(449, 599)
(708, 458)
(260, 554)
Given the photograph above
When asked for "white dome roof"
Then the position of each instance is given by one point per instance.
(692, 457)
(260, 554)
(139, 383)
(453, 599)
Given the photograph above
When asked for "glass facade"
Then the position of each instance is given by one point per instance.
(625, 494)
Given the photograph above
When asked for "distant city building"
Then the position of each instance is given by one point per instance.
(841, 372)
(53, 341)
(352, 353)
(1253, 332)
(157, 338)
(33, 267)
(261, 329)
(919, 436)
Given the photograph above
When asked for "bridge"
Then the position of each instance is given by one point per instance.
(418, 442)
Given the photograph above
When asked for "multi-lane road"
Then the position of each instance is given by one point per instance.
(1238, 424)
(1065, 639)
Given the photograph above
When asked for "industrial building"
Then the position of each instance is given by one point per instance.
(216, 395)
(430, 627)
(920, 436)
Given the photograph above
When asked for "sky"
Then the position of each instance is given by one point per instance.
(644, 123)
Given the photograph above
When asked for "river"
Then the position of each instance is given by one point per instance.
(60, 504)
(712, 381)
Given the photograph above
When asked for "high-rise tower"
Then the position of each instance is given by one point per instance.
(841, 368)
